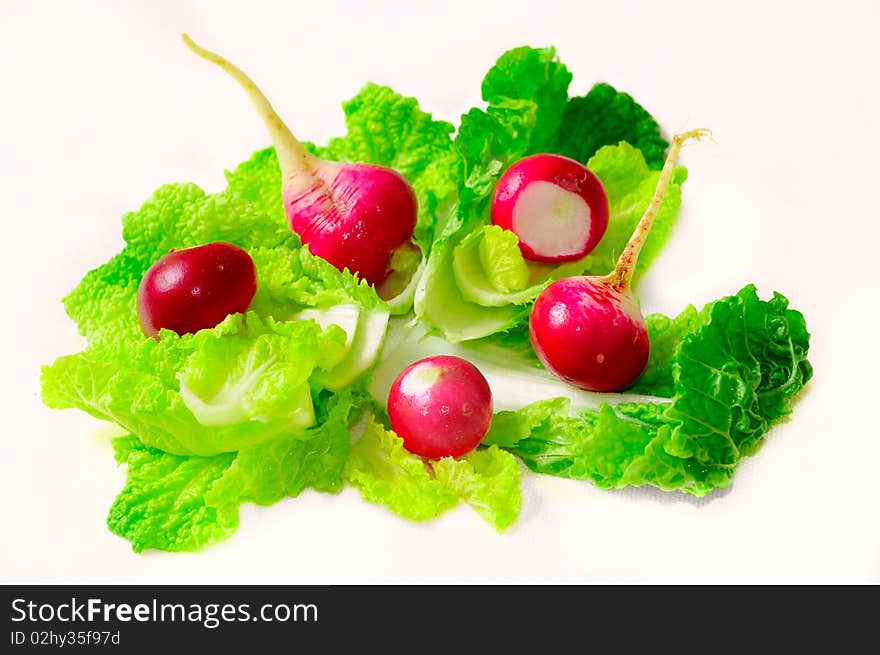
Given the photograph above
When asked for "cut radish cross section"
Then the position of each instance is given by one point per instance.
(556, 207)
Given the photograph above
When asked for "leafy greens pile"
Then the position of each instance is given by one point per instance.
(246, 412)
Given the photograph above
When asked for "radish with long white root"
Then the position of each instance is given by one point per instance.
(440, 406)
(556, 207)
(353, 215)
(589, 331)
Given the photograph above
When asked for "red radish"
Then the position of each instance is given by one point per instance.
(589, 331)
(196, 288)
(556, 206)
(353, 215)
(440, 406)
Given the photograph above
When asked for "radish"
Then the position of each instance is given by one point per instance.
(589, 331)
(556, 206)
(440, 406)
(353, 215)
(195, 288)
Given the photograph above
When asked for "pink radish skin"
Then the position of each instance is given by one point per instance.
(589, 331)
(353, 215)
(440, 406)
(344, 216)
(589, 334)
(557, 207)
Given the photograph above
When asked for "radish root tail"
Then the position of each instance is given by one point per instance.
(621, 277)
(292, 156)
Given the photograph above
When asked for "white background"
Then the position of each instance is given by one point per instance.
(100, 103)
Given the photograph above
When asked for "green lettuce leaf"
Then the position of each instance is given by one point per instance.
(486, 479)
(236, 385)
(489, 269)
(255, 374)
(440, 304)
(292, 279)
(388, 474)
(285, 466)
(532, 79)
(502, 261)
(665, 335)
(163, 503)
(733, 376)
(604, 117)
(185, 503)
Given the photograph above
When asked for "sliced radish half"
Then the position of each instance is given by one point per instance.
(556, 207)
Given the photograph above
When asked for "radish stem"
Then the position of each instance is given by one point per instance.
(620, 278)
(292, 156)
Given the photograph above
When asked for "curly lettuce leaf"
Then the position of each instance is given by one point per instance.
(531, 78)
(255, 375)
(240, 383)
(290, 280)
(586, 444)
(751, 356)
(387, 474)
(486, 479)
(186, 503)
(163, 503)
(605, 117)
(734, 375)
(236, 385)
(285, 466)
(665, 335)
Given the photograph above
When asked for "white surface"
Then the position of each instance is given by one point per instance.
(101, 103)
